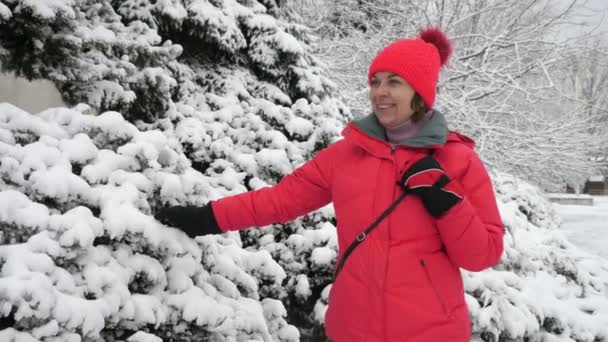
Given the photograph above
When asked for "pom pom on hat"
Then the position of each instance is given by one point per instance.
(436, 37)
(417, 61)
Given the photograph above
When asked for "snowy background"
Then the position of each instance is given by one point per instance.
(182, 102)
(587, 226)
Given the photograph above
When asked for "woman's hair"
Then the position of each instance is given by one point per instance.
(418, 107)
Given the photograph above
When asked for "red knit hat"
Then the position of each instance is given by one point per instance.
(417, 61)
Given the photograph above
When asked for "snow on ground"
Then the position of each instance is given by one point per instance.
(587, 226)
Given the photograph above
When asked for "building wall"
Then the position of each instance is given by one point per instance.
(32, 97)
(572, 200)
(596, 188)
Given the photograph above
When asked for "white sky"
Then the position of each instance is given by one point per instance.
(595, 12)
(599, 8)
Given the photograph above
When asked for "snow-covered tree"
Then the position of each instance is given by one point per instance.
(188, 101)
(234, 85)
(586, 79)
(82, 259)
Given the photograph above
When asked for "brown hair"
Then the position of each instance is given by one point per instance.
(418, 107)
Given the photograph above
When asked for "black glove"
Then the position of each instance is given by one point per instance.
(191, 220)
(427, 180)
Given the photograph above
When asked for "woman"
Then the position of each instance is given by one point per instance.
(402, 282)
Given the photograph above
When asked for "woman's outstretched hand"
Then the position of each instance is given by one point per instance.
(192, 220)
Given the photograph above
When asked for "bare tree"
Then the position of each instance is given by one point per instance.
(503, 84)
(587, 80)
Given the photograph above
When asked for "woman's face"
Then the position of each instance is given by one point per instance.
(391, 98)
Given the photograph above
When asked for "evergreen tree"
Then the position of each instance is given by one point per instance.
(231, 82)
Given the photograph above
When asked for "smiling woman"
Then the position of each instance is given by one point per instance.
(401, 173)
(391, 98)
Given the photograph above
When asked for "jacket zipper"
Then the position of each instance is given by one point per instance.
(428, 275)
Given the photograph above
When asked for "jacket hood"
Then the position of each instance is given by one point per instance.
(433, 133)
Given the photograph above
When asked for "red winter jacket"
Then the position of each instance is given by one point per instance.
(403, 282)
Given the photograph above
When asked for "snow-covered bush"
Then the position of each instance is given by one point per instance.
(232, 86)
(82, 258)
(544, 289)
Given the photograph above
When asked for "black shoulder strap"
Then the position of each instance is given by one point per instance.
(364, 233)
